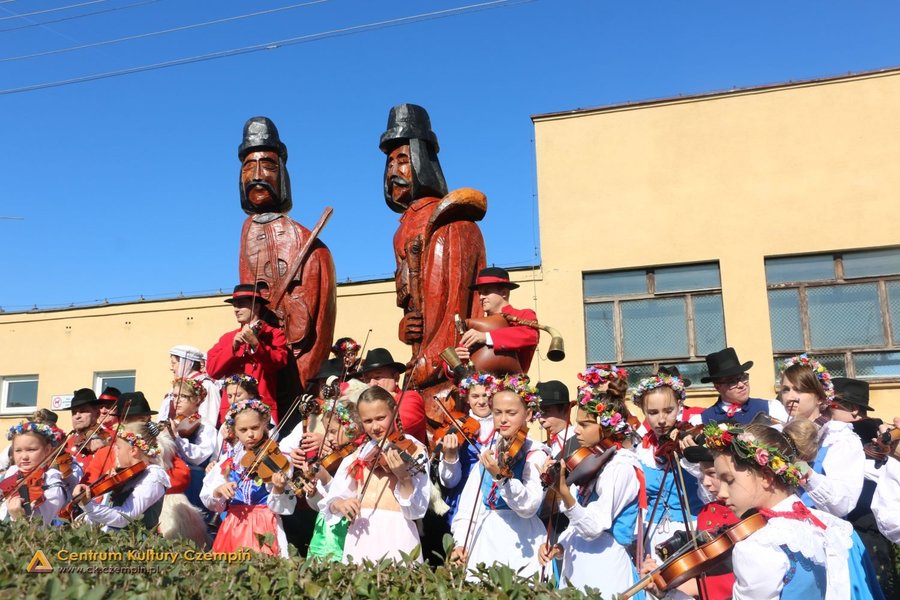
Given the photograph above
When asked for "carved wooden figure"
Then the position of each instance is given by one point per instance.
(271, 241)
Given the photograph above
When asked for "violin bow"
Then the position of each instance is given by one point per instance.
(551, 525)
(475, 507)
(455, 423)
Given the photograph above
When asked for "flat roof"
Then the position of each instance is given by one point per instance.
(716, 94)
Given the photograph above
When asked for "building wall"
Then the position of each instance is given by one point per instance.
(733, 178)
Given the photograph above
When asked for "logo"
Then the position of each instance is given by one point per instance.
(39, 563)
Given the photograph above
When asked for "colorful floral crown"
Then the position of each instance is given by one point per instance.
(239, 378)
(137, 441)
(657, 381)
(54, 435)
(521, 385)
(590, 399)
(195, 386)
(487, 380)
(347, 345)
(818, 370)
(350, 426)
(249, 404)
(745, 447)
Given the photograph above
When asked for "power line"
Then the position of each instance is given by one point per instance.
(162, 31)
(78, 16)
(49, 10)
(438, 14)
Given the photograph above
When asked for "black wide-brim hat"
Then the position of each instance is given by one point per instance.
(852, 391)
(553, 393)
(493, 276)
(83, 397)
(724, 363)
(333, 367)
(248, 290)
(377, 358)
(137, 406)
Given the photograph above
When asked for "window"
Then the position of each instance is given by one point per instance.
(123, 380)
(643, 318)
(843, 308)
(18, 394)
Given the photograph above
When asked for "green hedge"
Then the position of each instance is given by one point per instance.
(261, 576)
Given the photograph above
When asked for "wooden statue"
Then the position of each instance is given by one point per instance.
(438, 247)
(271, 242)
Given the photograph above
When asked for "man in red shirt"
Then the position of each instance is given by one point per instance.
(379, 368)
(255, 348)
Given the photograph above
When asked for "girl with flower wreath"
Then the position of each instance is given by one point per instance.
(661, 398)
(197, 448)
(496, 520)
(456, 463)
(253, 507)
(140, 498)
(32, 443)
(602, 512)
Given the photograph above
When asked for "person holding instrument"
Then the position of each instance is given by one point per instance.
(88, 438)
(29, 484)
(137, 497)
(382, 488)
(193, 436)
(602, 511)
(253, 506)
(732, 381)
(496, 520)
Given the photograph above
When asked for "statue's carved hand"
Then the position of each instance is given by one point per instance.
(411, 327)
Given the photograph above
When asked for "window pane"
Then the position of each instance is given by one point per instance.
(600, 332)
(21, 394)
(638, 372)
(872, 263)
(709, 324)
(877, 364)
(654, 328)
(124, 384)
(799, 268)
(833, 362)
(687, 278)
(893, 290)
(784, 318)
(844, 315)
(615, 284)
(694, 371)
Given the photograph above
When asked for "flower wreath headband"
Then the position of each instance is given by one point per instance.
(195, 386)
(138, 441)
(488, 381)
(239, 378)
(745, 447)
(53, 435)
(349, 345)
(249, 404)
(351, 427)
(658, 381)
(818, 370)
(521, 386)
(590, 399)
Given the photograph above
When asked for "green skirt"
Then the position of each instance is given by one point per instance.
(327, 541)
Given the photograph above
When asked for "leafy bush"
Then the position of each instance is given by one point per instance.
(261, 576)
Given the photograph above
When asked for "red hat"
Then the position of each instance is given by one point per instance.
(248, 290)
(495, 276)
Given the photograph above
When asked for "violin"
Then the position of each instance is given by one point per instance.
(509, 450)
(884, 444)
(692, 561)
(109, 483)
(408, 451)
(331, 462)
(582, 466)
(464, 427)
(185, 427)
(63, 463)
(265, 460)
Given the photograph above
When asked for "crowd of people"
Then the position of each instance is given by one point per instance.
(805, 488)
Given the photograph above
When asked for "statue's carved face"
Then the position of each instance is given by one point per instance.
(261, 178)
(399, 175)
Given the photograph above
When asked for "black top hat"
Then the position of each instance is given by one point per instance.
(698, 453)
(248, 290)
(672, 371)
(83, 397)
(852, 391)
(110, 394)
(260, 133)
(407, 122)
(331, 367)
(553, 393)
(377, 358)
(493, 275)
(724, 363)
(138, 407)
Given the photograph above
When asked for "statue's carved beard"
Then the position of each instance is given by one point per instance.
(396, 180)
(273, 195)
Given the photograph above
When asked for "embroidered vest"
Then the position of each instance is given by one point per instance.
(743, 416)
(803, 579)
(623, 526)
(490, 491)
(670, 503)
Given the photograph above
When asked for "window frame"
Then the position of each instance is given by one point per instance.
(100, 376)
(5, 380)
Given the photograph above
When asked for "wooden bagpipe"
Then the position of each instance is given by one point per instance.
(487, 359)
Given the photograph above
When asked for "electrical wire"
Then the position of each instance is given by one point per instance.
(162, 31)
(270, 45)
(50, 10)
(73, 17)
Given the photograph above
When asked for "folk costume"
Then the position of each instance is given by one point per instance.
(141, 498)
(412, 405)
(53, 490)
(209, 409)
(723, 364)
(887, 499)
(453, 476)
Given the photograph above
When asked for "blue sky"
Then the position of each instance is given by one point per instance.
(127, 185)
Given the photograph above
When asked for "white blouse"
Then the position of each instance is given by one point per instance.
(55, 495)
(886, 501)
(450, 473)
(838, 490)
(147, 492)
(201, 448)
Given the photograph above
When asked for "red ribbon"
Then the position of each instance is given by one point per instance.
(649, 439)
(800, 513)
(732, 410)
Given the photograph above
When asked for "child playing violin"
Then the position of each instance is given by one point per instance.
(381, 492)
(497, 516)
(34, 484)
(143, 484)
(602, 511)
(253, 506)
(456, 463)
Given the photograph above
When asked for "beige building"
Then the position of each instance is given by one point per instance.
(763, 219)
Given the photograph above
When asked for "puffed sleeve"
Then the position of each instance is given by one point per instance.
(213, 479)
(342, 487)
(758, 571)
(198, 448)
(886, 501)
(525, 496)
(281, 504)
(449, 473)
(150, 489)
(838, 490)
(55, 495)
(616, 487)
(416, 504)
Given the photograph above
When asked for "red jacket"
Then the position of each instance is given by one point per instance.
(264, 363)
(517, 338)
